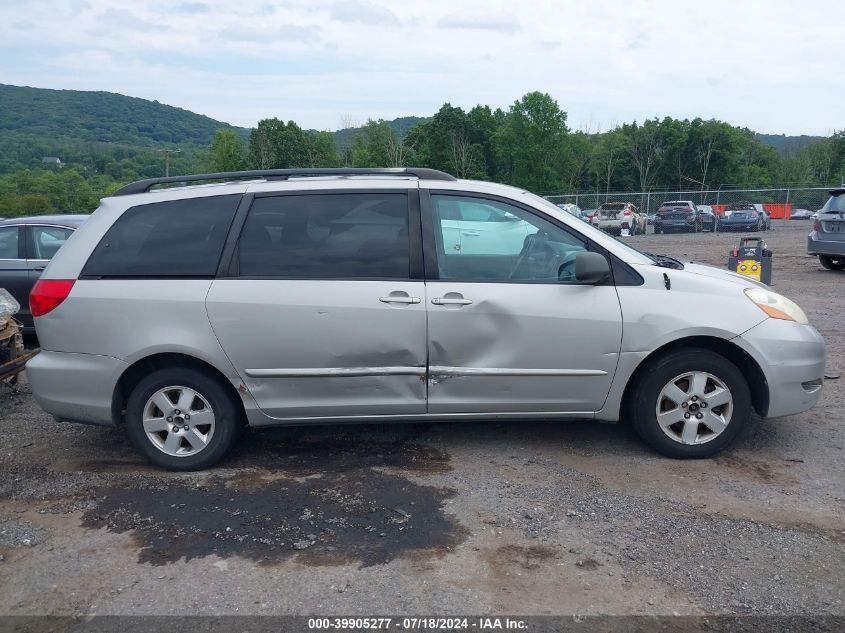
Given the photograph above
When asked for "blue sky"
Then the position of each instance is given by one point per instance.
(329, 63)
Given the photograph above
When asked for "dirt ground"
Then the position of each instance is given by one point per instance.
(485, 518)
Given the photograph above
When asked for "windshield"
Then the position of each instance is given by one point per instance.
(597, 234)
(836, 204)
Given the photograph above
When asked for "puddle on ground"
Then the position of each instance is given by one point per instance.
(323, 503)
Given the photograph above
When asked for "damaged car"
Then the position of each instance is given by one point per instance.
(189, 307)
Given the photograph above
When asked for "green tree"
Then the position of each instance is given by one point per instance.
(226, 153)
(378, 145)
(274, 144)
(530, 143)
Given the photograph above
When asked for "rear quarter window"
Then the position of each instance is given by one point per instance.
(177, 238)
(836, 204)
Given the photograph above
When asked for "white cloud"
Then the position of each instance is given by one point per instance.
(479, 20)
(750, 63)
(363, 12)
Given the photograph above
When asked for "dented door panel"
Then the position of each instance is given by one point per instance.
(521, 347)
(325, 347)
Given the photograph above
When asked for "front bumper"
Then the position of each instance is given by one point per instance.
(792, 359)
(75, 387)
(816, 246)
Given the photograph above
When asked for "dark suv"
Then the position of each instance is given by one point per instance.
(678, 215)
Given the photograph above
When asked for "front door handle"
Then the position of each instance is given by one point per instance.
(451, 301)
(399, 297)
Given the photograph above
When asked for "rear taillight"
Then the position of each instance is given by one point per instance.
(817, 226)
(626, 212)
(48, 294)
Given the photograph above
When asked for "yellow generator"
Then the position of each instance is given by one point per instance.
(753, 259)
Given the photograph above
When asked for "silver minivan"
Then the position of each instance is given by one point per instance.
(300, 297)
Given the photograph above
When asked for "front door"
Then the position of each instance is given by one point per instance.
(323, 316)
(509, 328)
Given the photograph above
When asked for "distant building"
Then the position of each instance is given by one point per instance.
(53, 161)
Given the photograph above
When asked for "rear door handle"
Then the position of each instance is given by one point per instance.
(451, 301)
(39, 268)
(399, 298)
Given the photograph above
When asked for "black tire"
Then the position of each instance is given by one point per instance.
(832, 263)
(228, 417)
(661, 371)
(658, 230)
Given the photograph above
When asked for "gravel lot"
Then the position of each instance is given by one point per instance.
(510, 517)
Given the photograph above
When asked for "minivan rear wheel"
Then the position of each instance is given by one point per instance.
(690, 404)
(181, 418)
(832, 263)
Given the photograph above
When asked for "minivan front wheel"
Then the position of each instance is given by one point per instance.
(182, 419)
(691, 404)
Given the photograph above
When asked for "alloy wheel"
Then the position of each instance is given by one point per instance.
(178, 421)
(694, 408)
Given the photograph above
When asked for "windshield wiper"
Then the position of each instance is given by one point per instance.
(664, 261)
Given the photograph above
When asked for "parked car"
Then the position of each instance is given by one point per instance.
(478, 229)
(614, 217)
(707, 218)
(677, 215)
(574, 210)
(801, 214)
(186, 313)
(26, 245)
(767, 219)
(741, 216)
(827, 239)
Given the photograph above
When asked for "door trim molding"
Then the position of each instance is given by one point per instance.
(337, 372)
(442, 370)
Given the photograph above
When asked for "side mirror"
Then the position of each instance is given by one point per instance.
(591, 268)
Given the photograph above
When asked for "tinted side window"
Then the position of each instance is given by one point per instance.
(327, 236)
(46, 240)
(9, 242)
(178, 238)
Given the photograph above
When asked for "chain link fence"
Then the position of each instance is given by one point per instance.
(811, 198)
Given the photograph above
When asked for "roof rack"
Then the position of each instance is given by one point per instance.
(423, 173)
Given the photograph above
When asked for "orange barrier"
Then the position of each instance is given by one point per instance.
(720, 208)
(779, 211)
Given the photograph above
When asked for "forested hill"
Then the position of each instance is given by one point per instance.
(62, 150)
(104, 117)
(786, 144)
(402, 125)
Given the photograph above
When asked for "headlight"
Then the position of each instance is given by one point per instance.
(776, 306)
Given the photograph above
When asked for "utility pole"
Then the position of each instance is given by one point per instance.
(167, 153)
